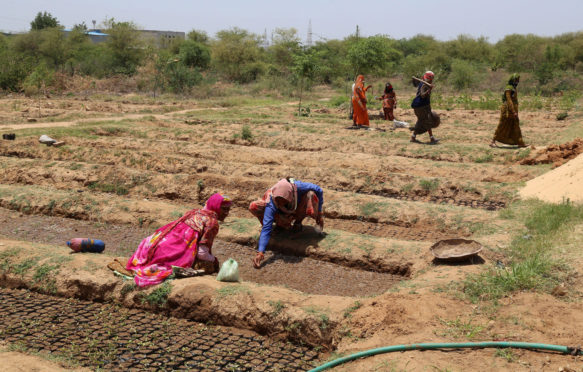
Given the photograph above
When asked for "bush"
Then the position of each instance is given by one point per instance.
(562, 115)
(194, 54)
(181, 78)
(463, 74)
(246, 133)
(236, 55)
(14, 68)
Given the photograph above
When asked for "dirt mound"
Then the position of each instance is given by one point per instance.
(556, 154)
(557, 185)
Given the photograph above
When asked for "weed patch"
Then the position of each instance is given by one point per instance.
(429, 185)
(231, 290)
(532, 263)
(369, 208)
(460, 329)
(109, 188)
(348, 312)
(158, 296)
(277, 306)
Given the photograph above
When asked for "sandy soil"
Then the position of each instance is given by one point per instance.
(562, 183)
(20, 362)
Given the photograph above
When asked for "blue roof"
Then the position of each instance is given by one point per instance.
(92, 33)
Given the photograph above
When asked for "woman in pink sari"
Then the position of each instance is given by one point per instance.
(184, 243)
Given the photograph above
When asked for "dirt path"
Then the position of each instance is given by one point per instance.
(59, 124)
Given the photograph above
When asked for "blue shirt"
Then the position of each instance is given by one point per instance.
(271, 210)
(419, 101)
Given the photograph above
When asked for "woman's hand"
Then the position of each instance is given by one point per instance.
(320, 221)
(257, 260)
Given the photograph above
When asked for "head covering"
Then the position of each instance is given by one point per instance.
(428, 75)
(359, 80)
(216, 201)
(287, 190)
(388, 87)
(513, 80)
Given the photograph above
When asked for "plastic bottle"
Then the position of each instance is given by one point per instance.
(86, 245)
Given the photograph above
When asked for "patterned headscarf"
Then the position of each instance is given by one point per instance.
(428, 76)
(216, 201)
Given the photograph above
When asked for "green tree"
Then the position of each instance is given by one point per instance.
(237, 56)
(521, 52)
(44, 20)
(195, 54)
(180, 78)
(332, 63)
(53, 48)
(14, 68)
(463, 74)
(468, 48)
(417, 45)
(372, 54)
(125, 46)
(285, 44)
(198, 36)
(304, 67)
(37, 82)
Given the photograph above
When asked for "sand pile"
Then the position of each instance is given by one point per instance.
(564, 182)
(556, 154)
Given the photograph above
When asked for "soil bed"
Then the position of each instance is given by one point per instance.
(300, 273)
(116, 339)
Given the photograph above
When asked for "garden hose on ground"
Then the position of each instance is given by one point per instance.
(454, 345)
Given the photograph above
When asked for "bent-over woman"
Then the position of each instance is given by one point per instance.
(286, 204)
(184, 243)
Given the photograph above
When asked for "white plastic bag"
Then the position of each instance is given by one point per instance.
(229, 271)
(400, 124)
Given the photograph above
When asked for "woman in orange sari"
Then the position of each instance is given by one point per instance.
(359, 102)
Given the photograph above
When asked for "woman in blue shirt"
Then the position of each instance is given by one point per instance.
(426, 119)
(287, 203)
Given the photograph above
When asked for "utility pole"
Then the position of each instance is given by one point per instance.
(309, 39)
(357, 33)
(265, 41)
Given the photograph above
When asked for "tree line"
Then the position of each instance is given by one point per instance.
(236, 55)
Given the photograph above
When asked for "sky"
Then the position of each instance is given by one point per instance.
(443, 19)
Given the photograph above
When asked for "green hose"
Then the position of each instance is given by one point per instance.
(454, 345)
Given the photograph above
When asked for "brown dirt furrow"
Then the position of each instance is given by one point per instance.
(196, 187)
(416, 233)
(281, 267)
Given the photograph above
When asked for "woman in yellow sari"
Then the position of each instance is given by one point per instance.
(508, 130)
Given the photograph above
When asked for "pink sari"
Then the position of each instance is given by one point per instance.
(175, 244)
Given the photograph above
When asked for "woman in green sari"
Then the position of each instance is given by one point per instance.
(508, 130)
